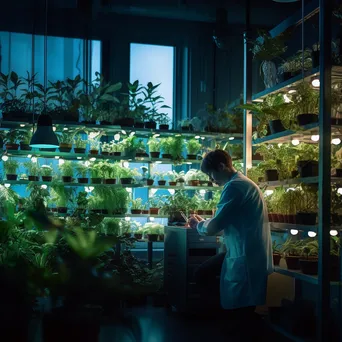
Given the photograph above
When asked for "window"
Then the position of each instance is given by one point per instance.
(154, 63)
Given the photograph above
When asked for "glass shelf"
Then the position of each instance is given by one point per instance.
(54, 214)
(296, 181)
(139, 132)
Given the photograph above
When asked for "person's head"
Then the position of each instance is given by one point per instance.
(218, 166)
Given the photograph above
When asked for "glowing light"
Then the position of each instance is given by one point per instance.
(171, 191)
(130, 190)
(280, 145)
(29, 155)
(294, 231)
(290, 189)
(295, 142)
(56, 157)
(231, 138)
(54, 129)
(44, 186)
(7, 185)
(268, 192)
(65, 128)
(315, 137)
(336, 141)
(158, 162)
(339, 191)
(91, 188)
(286, 98)
(60, 161)
(127, 218)
(92, 159)
(117, 137)
(312, 234)
(34, 159)
(151, 218)
(202, 192)
(126, 164)
(202, 138)
(189, 163)
(123, 132)
(333, 232)
(4, 158)
(156, 135)
(93, 135)
(315, 83)
(22, 125)
(178, 135)
(79, 158)
(86, 189)
(131, 134)
(292, 91)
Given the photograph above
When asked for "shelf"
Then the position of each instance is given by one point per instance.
(54, 214)
(297, 275)
(277, 226)
(139, 132)
(336, 75)
(303, 135)
(296, 181)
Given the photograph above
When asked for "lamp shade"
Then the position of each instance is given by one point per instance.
(44, 136)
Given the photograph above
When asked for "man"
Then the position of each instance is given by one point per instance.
(242, 216)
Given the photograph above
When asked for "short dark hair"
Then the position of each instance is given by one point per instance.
(213, 159)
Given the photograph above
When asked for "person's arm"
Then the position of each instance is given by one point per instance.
(227, 207)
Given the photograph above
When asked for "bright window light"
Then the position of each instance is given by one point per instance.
(129, 190)
(54, 128)
(91, 188)
(79, 158)
(65, 129)
(29, 155)
(312, 234)
(202, 192)
(294, 231)
(153, 191)
(151, 219)
(202, 138)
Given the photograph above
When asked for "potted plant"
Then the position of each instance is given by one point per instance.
(106, 148)
(33, 171)
(154, 204)
(292, 251)
(166, 146)
(10, 139)
(307, 206)
(25, 139)
(203, 178)
(11, 167)
(46, 172)
(61, 196)
(265, 49)
(80, 145)
(307, 163)
(161, 178)
(191, 177)
(152, 230)
(81, 171)
(137, 206)
(66, 139)
(94, 141)
(126, 176)
(309, 261)
(138, 235)
(276, 253)
(154, 146)
(193, 147)
(116, 149)
(67, 171)
(95, 173)
(172, 176)
(164, 123)
(185, 125)
(140, 149)
(109, 172)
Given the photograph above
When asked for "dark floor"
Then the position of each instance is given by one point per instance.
(161, 325)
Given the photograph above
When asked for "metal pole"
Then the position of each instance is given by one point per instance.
(324, 170)
(247, 98)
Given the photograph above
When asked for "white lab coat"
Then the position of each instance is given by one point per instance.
(242, 214)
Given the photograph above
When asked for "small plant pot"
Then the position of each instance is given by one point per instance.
(105, 123)
(185, 128)
(62, 210)
(208, 212)
(276, 126)
(200, 212)
(104, 211)
(336, 121)
(338, 173)
(12, 147)
(276, 259)
(154, 154)
(294, 173)
(25, 147)
(152, 237)
(65, 148)
(46, 178)
(309, 266)
(11, 177)
(94, 152)
(136, 211)
(281, 218)
(154, 211)
(117, 154)
(82, 180)
(308, 219)
(275, 217)
(109, 181)
(79, 150)
(292, 262)
(91, 122)
(96, 211)
(307, 119)
(139, 124)
(96, 180)
(141, 155)
(271, 175)
(105, 153)
(194, 182)
(127, 235)
(192, 156)
(163, 127)
(166, 156)
(125, 122)
(307, 168)
(144, 212)
(47, 149)
(161, 237)
(33, 178)
(210, 183)
(334, 268)
(67, 179)
(201, 182)
(138, 236)
(257, 156)
(162, 182)
(173, 183)
(151, 125)
(54, 210)
(291, 219)
(126, 181)
(270, 217)
(150, 182)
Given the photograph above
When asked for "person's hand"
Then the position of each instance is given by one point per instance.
(193, 221)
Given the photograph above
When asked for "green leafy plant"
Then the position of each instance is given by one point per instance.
(137, 204)
(292, 247)
(11, 166)
(305, 100)
(46, 170)
(66, 169)
(193, 146)
(81, 169)
(79, 142)
(33, 168)
(154, 145)
(153, 228)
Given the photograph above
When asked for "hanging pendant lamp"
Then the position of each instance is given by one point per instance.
(44, 136)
